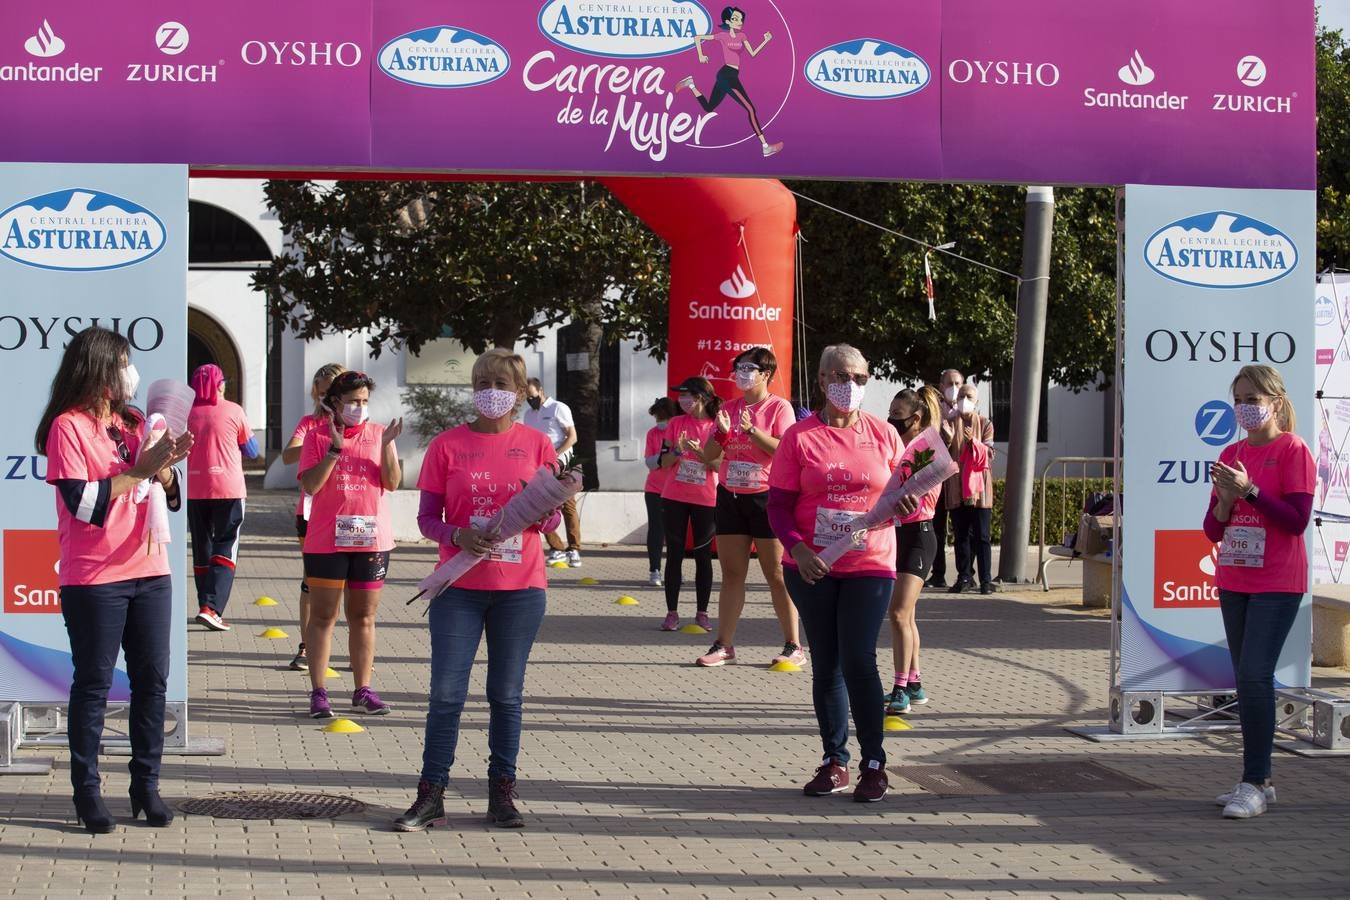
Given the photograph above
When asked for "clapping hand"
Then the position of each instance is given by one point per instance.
(1232, 482)
(392, 430)
(723, 421)
(746, 424)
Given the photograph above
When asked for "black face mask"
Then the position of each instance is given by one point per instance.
(535, 402)
(901, 425)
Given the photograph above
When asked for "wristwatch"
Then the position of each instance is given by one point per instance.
(750, 431)
(1252, 493)
(334, 451)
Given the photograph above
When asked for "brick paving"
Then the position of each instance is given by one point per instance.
(644, 776)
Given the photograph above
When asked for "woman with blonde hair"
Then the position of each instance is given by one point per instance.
(1258, 512)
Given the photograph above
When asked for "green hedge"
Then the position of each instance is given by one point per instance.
(1063, 500)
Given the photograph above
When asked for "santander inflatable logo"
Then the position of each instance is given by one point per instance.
(868, 69)
(443, 56)
(651, 28)
(79, 230)
(1221, 250)
(738, 286)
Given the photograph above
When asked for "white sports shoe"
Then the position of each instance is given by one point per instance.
(1227, 797)
(654, 579)
(1248, 801)
(574, 559)
(555, 556)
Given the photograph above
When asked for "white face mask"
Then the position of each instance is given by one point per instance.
(845, 397)
(950, 392)
(966, 406)
(745, 380)
(354, 414)
(493, 403)
(687, 403)
(131, 379)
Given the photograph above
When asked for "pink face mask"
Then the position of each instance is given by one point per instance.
(846, 397)
(1251, 416)
(493, 403)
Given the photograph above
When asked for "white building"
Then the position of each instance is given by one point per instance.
(269, 369)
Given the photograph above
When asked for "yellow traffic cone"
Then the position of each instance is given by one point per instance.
(784, 666)
(343, 726)
(626, 600)
(587, 581)
(557, 565)
(895, 723)
(273, 633)
(691, 628)
(264, 601)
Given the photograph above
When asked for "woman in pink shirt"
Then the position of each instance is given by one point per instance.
(663, 411)
(1258, 512)
(971, 512)
(748, 431)
(348, 468)
(116, 591)
(689, 498)
(732, 41)
(468, 475)
(828, 470)
(916, 546)
(290, 456)
(216, 491)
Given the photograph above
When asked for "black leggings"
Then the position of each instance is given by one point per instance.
(679, 517)
(656, 530)
(729, 82)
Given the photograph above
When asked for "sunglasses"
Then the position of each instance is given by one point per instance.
(748, 368)
(122, 450)
(845, 378)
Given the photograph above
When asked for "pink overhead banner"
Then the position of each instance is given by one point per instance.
(1044, 91)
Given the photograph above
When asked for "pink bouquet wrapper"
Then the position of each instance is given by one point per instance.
(926, 463)
(150, 491)
(545, 492)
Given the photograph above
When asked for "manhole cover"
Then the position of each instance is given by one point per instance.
(977, 779)
(271, 805)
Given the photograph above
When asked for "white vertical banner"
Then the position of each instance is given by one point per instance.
(80, 245)
(1331, 538)
(1215, 279)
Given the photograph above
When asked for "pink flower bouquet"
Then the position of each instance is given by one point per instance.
(549, 489)
(926, 463)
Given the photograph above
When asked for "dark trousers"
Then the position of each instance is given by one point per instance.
(214, 525)
(679, 518)
(728, 84)
(842, 618)
(971, 527)
(656, 530)
(1256, 626)
(940, 529)
(136, 616)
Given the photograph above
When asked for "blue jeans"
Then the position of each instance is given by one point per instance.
(1257, 626)
(842, 618)
(135, 615)
(459, 618)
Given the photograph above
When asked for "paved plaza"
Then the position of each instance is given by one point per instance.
(642, 776)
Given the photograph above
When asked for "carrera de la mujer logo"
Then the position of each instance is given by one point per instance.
(1221, 250)
(79, 230)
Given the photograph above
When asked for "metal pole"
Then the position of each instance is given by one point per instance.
(1028, 353)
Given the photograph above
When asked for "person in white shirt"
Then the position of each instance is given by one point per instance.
(554, 418)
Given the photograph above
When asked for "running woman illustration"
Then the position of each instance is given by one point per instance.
(732, 41)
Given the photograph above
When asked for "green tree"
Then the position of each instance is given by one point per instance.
(866, 287)
(1333, 150)
(494, 263)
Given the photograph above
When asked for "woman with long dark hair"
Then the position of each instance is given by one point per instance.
(116, 591)
(689, 499)
(657, 444)
(728, 84)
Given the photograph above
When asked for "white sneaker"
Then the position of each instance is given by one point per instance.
(555, 556)
(1248, 801)
(573, 558)
(1227, 797)
(654, 578)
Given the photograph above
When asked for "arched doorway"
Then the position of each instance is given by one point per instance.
(208, 342)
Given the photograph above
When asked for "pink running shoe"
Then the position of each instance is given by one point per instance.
(717, 655)
(702, 621)
(685, 83)
(670, 622)
(792, 653)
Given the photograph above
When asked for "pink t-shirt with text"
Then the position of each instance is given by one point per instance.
(215, 464)
(839, 473)
(354, 488)
(745, 467)
(656, 478)
(79, 448)
(732, 45)
(477, 474)
(689, 480)
(1284, 466)
(307, 424)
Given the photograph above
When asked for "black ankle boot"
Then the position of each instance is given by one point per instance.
(427, 810)
(157, 814)
(91, 812)
(502, 810)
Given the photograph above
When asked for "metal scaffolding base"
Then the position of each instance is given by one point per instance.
(24, 726)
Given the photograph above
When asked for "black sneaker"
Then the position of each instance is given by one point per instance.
(427, 810)
(502, 810)
(937, 581)
(960, 587)
(987, 587)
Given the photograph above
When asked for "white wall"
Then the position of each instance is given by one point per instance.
(226, 297)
